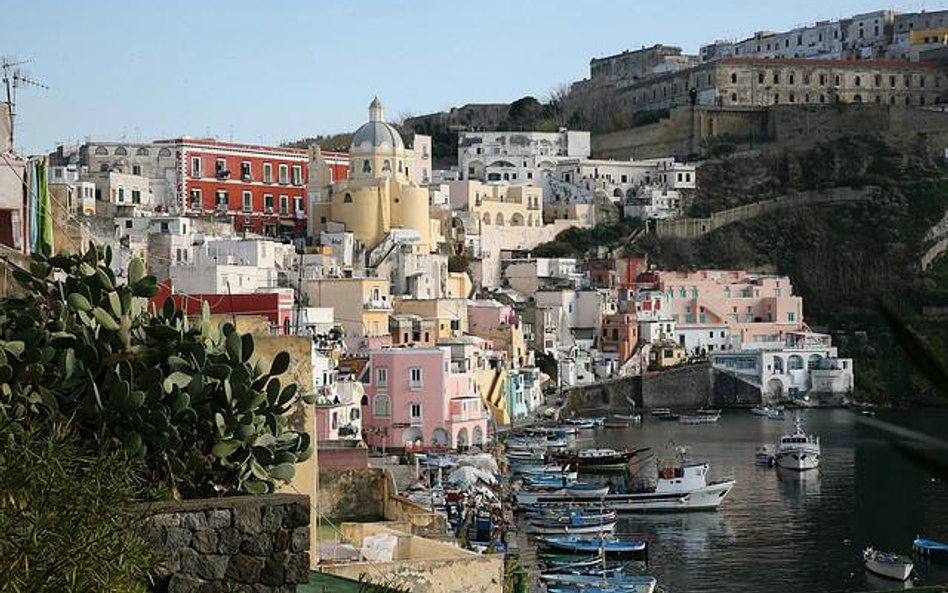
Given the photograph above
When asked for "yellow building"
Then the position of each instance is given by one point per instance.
(361, 305)
(379, 194)
(449, 315)
(498, 204)
(665, 355)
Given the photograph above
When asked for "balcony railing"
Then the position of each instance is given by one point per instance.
(415, 421)
(377, 304)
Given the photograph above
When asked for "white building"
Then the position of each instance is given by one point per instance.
(233, 267)
(530, 275)
(805, 365)
(579, 180)
(653, 203)
(520, 158)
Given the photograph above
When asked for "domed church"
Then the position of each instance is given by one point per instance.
(380, 194)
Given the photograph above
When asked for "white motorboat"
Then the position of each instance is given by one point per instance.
(555, 528)
(684, 487)
(700, 418)
(888, 565)
(798, 451)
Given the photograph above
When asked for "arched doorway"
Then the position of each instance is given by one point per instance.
(477, 436)
(462, 442)
(441, 438)
(775, 389)
(412, 437)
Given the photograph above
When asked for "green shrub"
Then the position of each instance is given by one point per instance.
(184, 398)
(66, 517)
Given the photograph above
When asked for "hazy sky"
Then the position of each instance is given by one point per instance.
(268, 71)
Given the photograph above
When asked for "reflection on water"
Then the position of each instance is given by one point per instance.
(799, 487)
(803, 531)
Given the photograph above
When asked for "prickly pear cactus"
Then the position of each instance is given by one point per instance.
(182, 396)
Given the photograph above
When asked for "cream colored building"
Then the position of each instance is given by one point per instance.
(450, 315)
(380, 193)
(361, 305)
(497, 204)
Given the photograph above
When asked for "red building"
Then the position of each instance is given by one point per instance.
(276, 306)
(262, 189)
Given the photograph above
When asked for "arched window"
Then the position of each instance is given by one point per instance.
(857, 98)
(858, 80)
(778, 365)
(381, 406)
(795, 362)
(486, 218)
(814, 362)
(101, 151)
(120, 151)
(142, 151)
(366, 166)
(499, 219)
(164, 152)
(347, 199)
(354, 413)
(617, 193)
(387, 166)
(733, 78)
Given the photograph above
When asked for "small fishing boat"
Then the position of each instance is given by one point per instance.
(552, 471)
(633, 418)
(699, 418)
(776, 415)
(610, 546)
(596, 459)
(593, 582)
(569, 562)
(616, 424)
(930, 548)
(585, 489)
(888, 565)
(661, 411)
(556, 528)
(764, 455)
(571, 515)
(761, 411)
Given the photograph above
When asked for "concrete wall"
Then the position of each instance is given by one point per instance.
(351, 494)
(258, 543)
(684, 387)
(684, 132)
(692, 228)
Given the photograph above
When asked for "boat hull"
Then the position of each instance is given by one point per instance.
(931, 549)
(707, 498)
(898, 571)
(798, 458)
(567, 529)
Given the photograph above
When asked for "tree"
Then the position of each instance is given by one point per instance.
(183, 398)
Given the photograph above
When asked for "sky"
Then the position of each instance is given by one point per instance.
(266, 72)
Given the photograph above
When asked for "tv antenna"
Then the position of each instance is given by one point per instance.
(12, 78)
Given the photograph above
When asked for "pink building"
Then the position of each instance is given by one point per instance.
(722, 309)
(500, 324)
(415, 398)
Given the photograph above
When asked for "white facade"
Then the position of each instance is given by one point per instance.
(652, 203)
(704, 340)
(520, 158)
(580, 180)
(529, 276)
(121, 189)
(806, 363)
(233, 267)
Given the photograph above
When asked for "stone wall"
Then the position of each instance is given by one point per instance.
(258, 544)
(421, 521)
(351, 494)
(684, 387)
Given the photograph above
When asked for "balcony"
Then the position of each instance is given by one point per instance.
(415, 421)
(377, 305)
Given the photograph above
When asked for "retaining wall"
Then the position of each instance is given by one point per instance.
(243, 543)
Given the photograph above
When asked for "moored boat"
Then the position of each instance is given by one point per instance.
(596, 459)
(764, 455)
(798, 450)
(610, 546)
(699, 418)
(930, 548)
(888, 565)
(634, 418)
(661, 411)
(556, 528)
(595, 582)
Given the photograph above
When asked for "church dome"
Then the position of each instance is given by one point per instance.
(376, 132)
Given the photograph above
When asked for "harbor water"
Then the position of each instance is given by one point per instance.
(785, 531)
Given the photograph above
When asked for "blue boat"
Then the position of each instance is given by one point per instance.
(930, 548)
(619, 582)
(608, 546)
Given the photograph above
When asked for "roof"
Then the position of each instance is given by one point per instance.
(211, 143)
(377, 134)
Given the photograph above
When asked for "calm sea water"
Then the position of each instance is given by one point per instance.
(786, 531)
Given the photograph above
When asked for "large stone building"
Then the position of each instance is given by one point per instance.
(748, 82)
(381, 192)
(519, 158)
(631, 66)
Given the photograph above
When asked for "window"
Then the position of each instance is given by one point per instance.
(196, 199)
(284, 174)
(128, 224)
(415, 411)
(760, 77)
(380, 406)
(136, 169)
(298, 205)
(245, 170)
(222, 199)
(791, 316)
(101, 151)
(164, 152)
(268, 202)
(297, 175)
(284, 205)
(366, 166)
(381, 377)
(733, 78)
(196, 167)
(121, 195)
(136, 196)
(220, 167)
(248, 201)
(878, 80)
(120, 151)
(791, 77)
(267, 173)
(414, 378)
(347, 199)
(858, 80)
(386, 166)
(776, 78)
(822, 79)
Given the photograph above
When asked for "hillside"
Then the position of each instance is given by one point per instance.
(843, 259)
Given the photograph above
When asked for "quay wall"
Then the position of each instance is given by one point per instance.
(685, 387)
